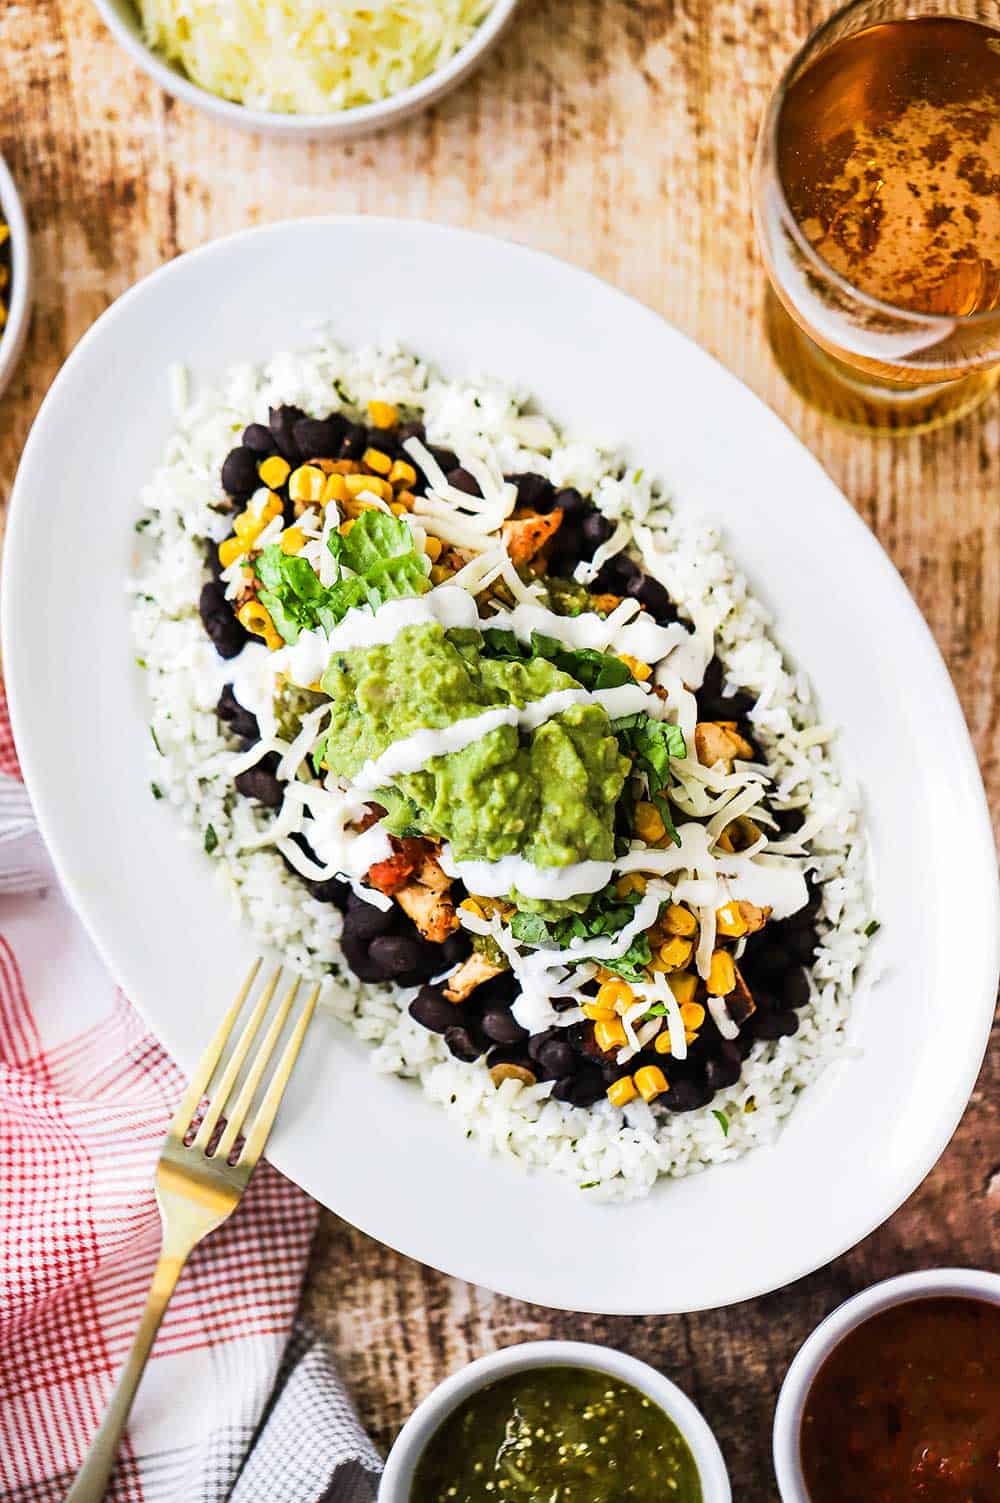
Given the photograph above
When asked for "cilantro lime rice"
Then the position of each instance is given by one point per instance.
(475, 725)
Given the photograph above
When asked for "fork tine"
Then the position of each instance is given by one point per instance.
(264, 1052)
(261, 1127)
(220, 1094)
(206, 1065)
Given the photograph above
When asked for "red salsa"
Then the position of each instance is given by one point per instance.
(906, 1409)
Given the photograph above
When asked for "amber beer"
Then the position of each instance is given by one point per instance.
(886, 152)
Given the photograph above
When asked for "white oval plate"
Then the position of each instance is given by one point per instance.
(373, 1148)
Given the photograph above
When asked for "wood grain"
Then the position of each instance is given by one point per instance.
(616, 134)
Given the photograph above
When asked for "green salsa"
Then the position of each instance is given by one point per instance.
(557, 1435)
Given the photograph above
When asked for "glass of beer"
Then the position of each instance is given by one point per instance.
(877, 205)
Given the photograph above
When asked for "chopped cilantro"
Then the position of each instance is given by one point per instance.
(141, 663)
(722, 1120)
(590, 1184)
(156, 790)
(651, 744)
(592, 669)
(142, 524)
(211, 839)
(607, 914)
(872, 928)
(156, 742)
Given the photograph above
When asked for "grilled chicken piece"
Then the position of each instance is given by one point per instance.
(432, 912)
(755, 918)
(526, 535)
(718, 741)
(470, 974)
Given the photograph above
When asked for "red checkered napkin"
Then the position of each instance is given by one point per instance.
(85, 1097)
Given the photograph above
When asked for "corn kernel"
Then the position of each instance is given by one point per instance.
(622, 1091)
(383, 414)
(473, 906)
(377, 461)
(598, 1014)
(692, 1016)
(679, 920)
(406, 498)
(616, 994)
(402, 474)
(344, 467)
(274, 471)
(374, 484)
(246, 526)
(675, 954)
(683, 984)
(345, 527)
(651, 1082)
(306, 483)
(439, 574)
(631, 882)
(609, 1034)
(638, 669)
(648, 824)
(230, 551)
(293, 540)
(433, 547)
(721, 974)
(257, 619)
(334, 489)
(397, 509)
(730, 921)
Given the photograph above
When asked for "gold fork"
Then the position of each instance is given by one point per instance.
(197, 1186)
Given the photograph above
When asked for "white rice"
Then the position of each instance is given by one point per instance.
(608, 1153)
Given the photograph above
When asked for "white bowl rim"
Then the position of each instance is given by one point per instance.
(432, 1411)
(904, 1288)
(15, 331)
(357, 119)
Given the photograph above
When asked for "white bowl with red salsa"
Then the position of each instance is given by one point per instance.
(896, 1396)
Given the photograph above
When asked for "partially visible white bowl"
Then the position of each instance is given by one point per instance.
(122, 20)
(971, 1283)
(427, 1418)
(15, 331)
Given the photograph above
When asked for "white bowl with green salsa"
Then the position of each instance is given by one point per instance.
(555, 1414)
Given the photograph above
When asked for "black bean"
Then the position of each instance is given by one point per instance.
(212, 559)
(462, 1044)
(596, 528)
(354, 442)
(570, 502)
(397, 956)
(557, 1058)
(260, 784)
(651, 594)
(687, 1095)
(431, 1010)
(357, 957)
(615, 576)
(456, 948)
(775, 1025)
(219, 620)
(538, 1041)
(363, 921)
(500, 989)
(533, 491)
(722, 1072)
(579, 1036)
(513, 1054)
(585, 1088)
(463, 481)
(801, 943)
(385, 440)
(332, 890)
(768, 959)
(259, 439)
(500, 1025)
(795, 988)
(318, 438)
(445, 458)
(411, 430)
(239, 473)
(567, 550)
(282, 421)
(789, 821)
(240, 721)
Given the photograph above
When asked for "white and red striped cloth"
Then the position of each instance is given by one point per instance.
(85, 1097)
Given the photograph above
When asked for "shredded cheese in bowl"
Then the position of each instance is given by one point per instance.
(309, 57)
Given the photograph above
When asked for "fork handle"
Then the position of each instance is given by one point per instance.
(92, 1479)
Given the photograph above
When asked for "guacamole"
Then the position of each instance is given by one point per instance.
(548, 795)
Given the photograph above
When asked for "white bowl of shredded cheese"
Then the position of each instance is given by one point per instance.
(313, 69)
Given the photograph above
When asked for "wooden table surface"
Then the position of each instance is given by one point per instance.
(616, 134)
